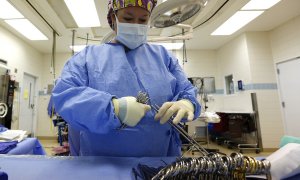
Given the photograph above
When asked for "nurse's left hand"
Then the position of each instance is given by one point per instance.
(182, 109)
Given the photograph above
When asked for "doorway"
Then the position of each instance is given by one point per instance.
(289, 86)
(27, 104)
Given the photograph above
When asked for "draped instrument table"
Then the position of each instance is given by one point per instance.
(36, 167)
(28, 146)
(30, 167)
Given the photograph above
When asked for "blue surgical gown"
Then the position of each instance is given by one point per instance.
(92, 77)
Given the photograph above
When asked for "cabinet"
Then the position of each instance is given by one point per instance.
(237, 130)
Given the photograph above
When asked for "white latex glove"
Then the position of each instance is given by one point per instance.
(182, 109)
(129, 111)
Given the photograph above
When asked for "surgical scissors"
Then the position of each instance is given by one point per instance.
(144, 99)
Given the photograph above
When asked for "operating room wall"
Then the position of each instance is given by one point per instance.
(285, 40)
(242, 59)
(265, 50)
(45, 125)
(21, 58)
(262, 50)
(200, 63)
(285, 45)
(232, 59)
(248, 57)
(264, 83)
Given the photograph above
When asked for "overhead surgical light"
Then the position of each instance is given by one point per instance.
(173, 12)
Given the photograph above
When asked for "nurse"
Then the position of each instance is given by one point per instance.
(96, 91)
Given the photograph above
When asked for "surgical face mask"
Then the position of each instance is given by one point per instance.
(131, 35)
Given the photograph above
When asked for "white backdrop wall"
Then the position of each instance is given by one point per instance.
(233, 59)
(201, 63)
(285, 41)
(45, 126)
(21, 56)
(285, 44)
(263, 75)
(248, 58)
(260, 57)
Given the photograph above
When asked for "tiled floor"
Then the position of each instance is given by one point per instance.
(50, 144)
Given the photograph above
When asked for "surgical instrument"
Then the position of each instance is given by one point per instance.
(144, 98)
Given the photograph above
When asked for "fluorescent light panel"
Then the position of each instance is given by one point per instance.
(84, 12)
(78, 48)
(260, 4)
(7, 11)
(26, 28)
(171, 46)
(236, 22)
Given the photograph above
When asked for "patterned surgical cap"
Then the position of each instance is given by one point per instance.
(114, 5)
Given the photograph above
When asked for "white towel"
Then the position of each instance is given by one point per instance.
(285, 162)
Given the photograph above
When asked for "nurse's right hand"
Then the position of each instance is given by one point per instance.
(129, 111)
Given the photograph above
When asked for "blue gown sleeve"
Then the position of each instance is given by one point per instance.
(184, 89)
(84, 108)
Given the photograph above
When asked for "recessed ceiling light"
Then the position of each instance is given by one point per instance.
(84, 12)
(7, 11)
(236, 22)
(260, 4)
(26, 28)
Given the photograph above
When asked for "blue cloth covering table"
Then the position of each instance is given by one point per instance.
(28, 146)
(28, 167)
(35, 167)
